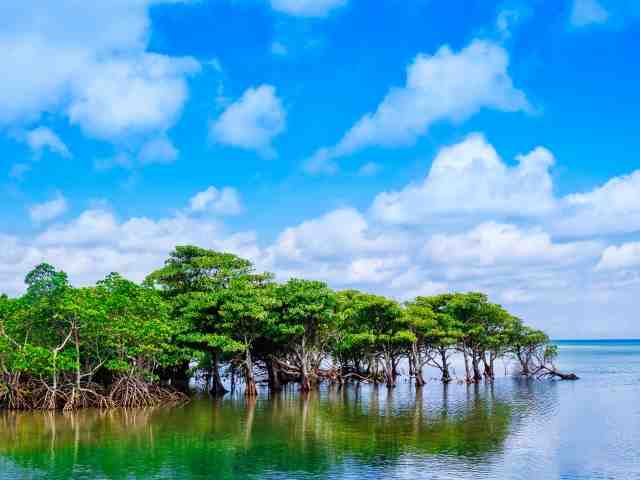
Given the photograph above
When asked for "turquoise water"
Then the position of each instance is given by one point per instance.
(589, 429)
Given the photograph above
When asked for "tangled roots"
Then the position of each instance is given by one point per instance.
(133, 392)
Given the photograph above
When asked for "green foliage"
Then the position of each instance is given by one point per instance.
(306, 313)
(206, 308)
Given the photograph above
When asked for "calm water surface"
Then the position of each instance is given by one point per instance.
(589, 429)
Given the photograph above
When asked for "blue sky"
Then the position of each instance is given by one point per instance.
(402, 147)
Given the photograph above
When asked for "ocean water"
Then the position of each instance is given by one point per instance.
(587, 429)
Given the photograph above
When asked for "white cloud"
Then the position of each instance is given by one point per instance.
(620, 257)
(97, 242)
(587, 12)
(412, 282)
(516, 254)
(43, 212)
(524, 266)
(307, 8)
(437, 88)
(494, 243)
(134, 247)
(341, 232)
(222, 202)
(252, 122)
(92, 226)
(470, 178)
(90, 64)
(158, 150)
(141, 94)
(611, 208)
(43, 138)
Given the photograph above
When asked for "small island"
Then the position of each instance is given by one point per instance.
(123, 344)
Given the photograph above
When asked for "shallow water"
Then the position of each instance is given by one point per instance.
(589, 429)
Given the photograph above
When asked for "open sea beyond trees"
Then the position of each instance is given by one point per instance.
(529, 429)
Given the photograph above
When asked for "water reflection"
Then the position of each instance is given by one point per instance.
(514, 429)
(239, 438)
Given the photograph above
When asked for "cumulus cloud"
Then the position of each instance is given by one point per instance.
(334, 234)
(588, 12)
(307, 8)
(43, 212)
(516, 264)
(252, 122)
(97, 242)
(619, 257)
(140, 94)
(519, 259)
(494, 243)
(610, 208)
(223, 202)
(340, 247)
(89, 64)
(438, 87)
(470, 178)
(43, 138)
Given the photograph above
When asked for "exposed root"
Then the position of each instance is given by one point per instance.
(551, 372)
(133, 392)
(86, 397)
(15, 396)
(126, 392)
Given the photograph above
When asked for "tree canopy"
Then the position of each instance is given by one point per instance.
(207, 315)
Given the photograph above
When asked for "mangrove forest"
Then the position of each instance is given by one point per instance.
(211, 319)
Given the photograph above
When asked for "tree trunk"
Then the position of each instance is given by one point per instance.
(217, 387)
(250, 382)
(490, 372)
(394, 368)
(303, 355)
(446, 377)
(419, 378)
(416, 364)
(274, 376)
(77, 345)
(388, 366)
(467, 372)
(305, 383)
(232, 373)
(477, 376)
(524, 364)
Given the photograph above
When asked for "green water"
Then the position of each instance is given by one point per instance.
(236, 438)
(513, 429)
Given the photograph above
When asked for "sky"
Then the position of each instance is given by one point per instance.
(402, 147)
